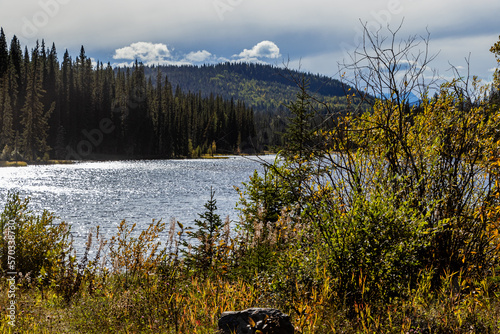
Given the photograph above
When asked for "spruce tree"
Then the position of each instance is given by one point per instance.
(16, 59)
(65, 93)
(4, 54)
(51, 87)
(7, 134)
(300, 131)
(207, 237)
(33, 117)
(8, 97)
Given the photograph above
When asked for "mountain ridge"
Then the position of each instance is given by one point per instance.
(263, 87)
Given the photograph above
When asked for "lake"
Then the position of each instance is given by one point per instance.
(87, 194)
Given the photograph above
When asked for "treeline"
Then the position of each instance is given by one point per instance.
(76, 110)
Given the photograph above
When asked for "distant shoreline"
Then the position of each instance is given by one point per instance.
(21, 163)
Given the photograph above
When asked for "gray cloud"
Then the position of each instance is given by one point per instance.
(314, 31)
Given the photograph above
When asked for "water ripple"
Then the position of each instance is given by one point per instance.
(103, 193)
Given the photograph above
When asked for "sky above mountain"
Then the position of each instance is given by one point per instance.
(314, 35)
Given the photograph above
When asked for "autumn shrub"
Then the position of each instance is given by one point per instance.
(40, 244)
(384, 194)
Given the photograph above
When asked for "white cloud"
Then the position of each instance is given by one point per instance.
(159, 54)
(264, 49)
(222, 60)
(123, 64)
(198, 56)
(146, 52)
(94, 62)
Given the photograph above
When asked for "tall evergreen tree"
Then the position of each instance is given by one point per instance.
(8, 97)
(34, 117)
(66, 93)
(16, 59)
(4, 54)
(50, 85)
(7, 130)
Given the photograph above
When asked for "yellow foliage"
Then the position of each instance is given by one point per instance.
(136, 254)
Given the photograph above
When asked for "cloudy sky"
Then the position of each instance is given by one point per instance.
(316, 34)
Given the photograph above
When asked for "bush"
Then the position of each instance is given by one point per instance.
(40, 243)
(396, 190)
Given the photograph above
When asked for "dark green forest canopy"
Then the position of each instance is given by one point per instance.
(73, 109)
(262, 87)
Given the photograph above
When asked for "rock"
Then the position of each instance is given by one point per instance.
(249, 321)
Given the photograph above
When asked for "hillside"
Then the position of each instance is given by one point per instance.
(265, 88)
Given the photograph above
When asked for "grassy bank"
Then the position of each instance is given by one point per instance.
(207, 156)
(24, 163)
(193, 304)
(13, 164)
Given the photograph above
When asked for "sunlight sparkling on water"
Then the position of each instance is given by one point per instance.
(103, 193)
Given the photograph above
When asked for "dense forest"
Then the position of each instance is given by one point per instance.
(265, 88)
(76, 109)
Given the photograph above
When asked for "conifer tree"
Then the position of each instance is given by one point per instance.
(8, 96)
(66, 92)
(208, 234)
(33, 117)
(4, 54)
(52, 93)
(16, 59)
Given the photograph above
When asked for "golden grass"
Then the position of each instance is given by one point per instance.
(207, 156)
(13, 164)
(60, 162)
(194, 305)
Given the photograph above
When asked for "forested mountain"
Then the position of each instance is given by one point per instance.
(265, 88)
(72, 109)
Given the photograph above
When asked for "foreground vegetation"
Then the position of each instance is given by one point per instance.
(385, 221)
(131, 284)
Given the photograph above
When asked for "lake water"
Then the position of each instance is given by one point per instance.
(88, 194)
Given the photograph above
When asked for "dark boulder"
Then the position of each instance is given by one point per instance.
(253, 320)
